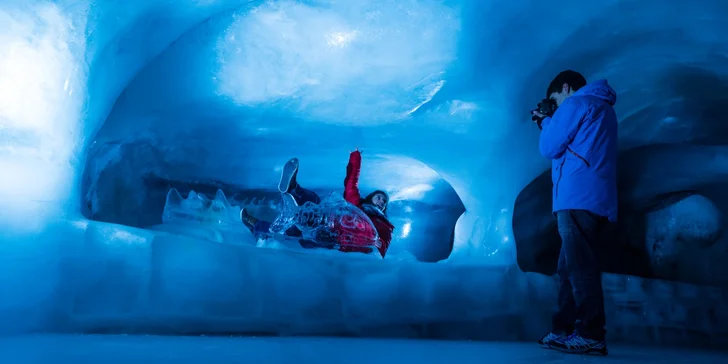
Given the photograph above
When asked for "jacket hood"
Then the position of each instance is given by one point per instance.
(600, 89)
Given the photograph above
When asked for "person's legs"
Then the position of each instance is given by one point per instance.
(303, 195)
(289, 184)
(563, 320)
(579, 232)
(257, 227)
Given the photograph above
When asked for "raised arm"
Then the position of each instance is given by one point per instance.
(351, 182)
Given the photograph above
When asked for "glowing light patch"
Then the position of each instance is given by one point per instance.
(669, 120)
(29, 191)
(26, 179)
(127, 237)
(429, 91)
(350, 62)
(415, 192)
(340, 39)
(399, 168)
(39, 111)
(35, 66)
(80, 224)
(462, 107)
(406, 229)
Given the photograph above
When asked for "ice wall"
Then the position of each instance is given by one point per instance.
(124, 280)
(62, 65)
(230, 89)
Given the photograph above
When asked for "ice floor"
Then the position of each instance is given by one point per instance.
(80, 349)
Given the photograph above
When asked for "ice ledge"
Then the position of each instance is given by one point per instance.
(113, 278)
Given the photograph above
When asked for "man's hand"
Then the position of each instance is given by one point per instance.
(357, 150)
(537, 118)
(538, 115)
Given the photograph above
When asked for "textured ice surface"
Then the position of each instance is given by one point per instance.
(108, 278)
(198, 208)
(197, 216)
(694, 223)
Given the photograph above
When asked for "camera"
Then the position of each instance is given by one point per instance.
(546, 107)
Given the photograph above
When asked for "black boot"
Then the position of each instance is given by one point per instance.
(248, 220)
(288, 176)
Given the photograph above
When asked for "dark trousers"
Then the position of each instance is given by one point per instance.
(581, 299)
(301, 195)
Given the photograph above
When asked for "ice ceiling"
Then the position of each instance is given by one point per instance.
(228, 90)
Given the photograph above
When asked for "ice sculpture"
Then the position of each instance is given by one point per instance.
(198, 208)
(333, 222)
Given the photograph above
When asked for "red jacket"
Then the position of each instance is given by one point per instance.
(364, 233)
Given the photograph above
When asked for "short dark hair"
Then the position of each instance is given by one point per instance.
(572, 78)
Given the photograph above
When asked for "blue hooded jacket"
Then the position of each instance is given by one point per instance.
(581, 141)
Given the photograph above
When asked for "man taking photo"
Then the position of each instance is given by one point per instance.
(579, 136)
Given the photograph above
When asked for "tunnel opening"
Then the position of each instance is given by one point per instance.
(128, 184)
(239, 118)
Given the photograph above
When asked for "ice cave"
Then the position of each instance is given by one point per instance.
(132, 133)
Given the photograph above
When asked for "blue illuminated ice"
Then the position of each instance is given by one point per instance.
(218, 221)
(691, 224)
(308, 55)
(224, 90)
(198, 208)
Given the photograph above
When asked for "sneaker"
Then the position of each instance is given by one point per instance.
(550, 338)
(288, 176)
(248, 220)
(577, 344)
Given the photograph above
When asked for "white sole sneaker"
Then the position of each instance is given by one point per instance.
(289, 170)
